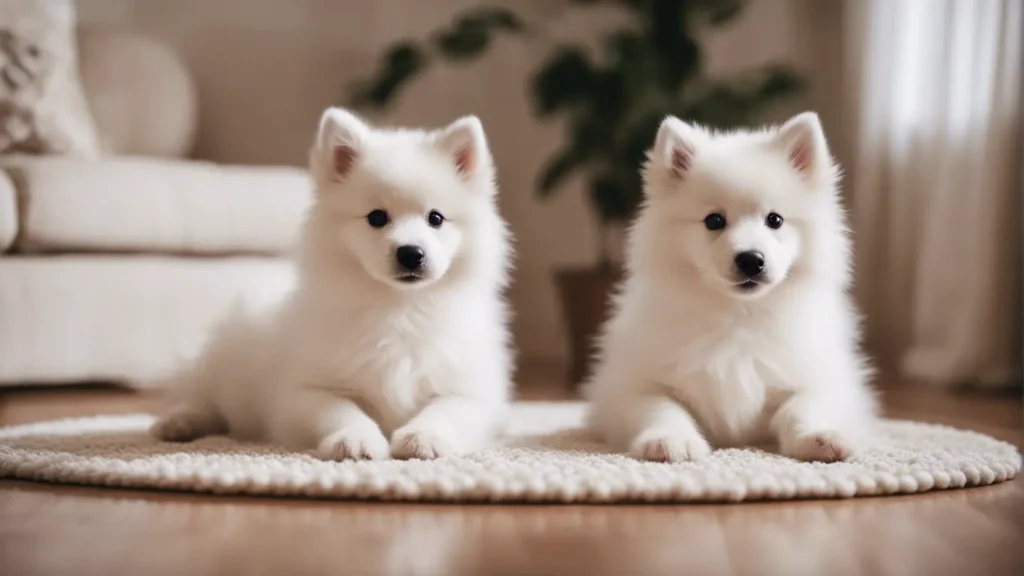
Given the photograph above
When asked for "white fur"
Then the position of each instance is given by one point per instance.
(689, 360)
(357, 363)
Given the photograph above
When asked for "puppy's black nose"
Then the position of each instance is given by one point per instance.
(410, 257)
(749, 263)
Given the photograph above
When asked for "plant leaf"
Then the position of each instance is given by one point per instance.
(361, 94)
(565, 79)
(591, 133)
(720, 106)
(679, 63)
(637, 138)
(471, 32)
(404, 58)
(719, 12)
(609, 98)
(400, 64)
(727, 105)
(629, 3)
(611, 199)
(664, 23)
(780, 82)
(556, 170)
(496, 17)
(670, 39)
(463, 41)
(624, 48)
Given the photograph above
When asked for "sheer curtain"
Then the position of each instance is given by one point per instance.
(934, 104)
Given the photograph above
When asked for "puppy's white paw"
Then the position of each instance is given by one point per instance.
(185, 426)
(817, 447)
(667, 447)
(354, 444)
(420, 444)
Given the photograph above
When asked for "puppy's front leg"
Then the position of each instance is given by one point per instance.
(448, 426)
(823, 425)
(665, 430)
(338, 426)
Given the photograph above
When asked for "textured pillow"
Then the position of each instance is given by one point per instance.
(142, 97)
(42, 106)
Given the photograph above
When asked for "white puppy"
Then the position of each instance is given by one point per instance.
(398, 326)
(734, 326)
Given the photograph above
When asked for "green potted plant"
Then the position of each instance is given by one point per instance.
(612, 104)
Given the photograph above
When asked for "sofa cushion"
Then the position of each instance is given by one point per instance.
(152, 205)
(128, 318)
(8, 213)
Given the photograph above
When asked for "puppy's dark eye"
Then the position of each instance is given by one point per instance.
(377, 218)
(773, 221)
(714, 221)
(435, 219)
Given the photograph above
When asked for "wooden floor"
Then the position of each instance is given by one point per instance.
(66, 530)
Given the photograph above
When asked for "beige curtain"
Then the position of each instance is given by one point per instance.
(934, 105)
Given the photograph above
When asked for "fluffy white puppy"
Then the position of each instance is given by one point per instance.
(395, 341)
(734, 325)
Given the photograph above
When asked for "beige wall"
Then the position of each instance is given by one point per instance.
(266, 69)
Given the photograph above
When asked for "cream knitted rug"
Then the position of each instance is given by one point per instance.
(546, 457)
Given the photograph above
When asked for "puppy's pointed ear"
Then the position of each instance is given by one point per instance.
(802, 139)
(465, 143)
(340, 142)
(674, 148)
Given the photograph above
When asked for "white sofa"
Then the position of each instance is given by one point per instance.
(114, 269)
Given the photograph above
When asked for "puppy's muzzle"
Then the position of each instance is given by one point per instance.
(749, 268)
(410, 262)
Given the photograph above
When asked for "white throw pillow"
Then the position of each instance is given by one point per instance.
(43, 109)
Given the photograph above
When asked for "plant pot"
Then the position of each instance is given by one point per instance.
(584, 294)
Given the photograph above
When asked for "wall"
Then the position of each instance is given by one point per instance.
(267, 68)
